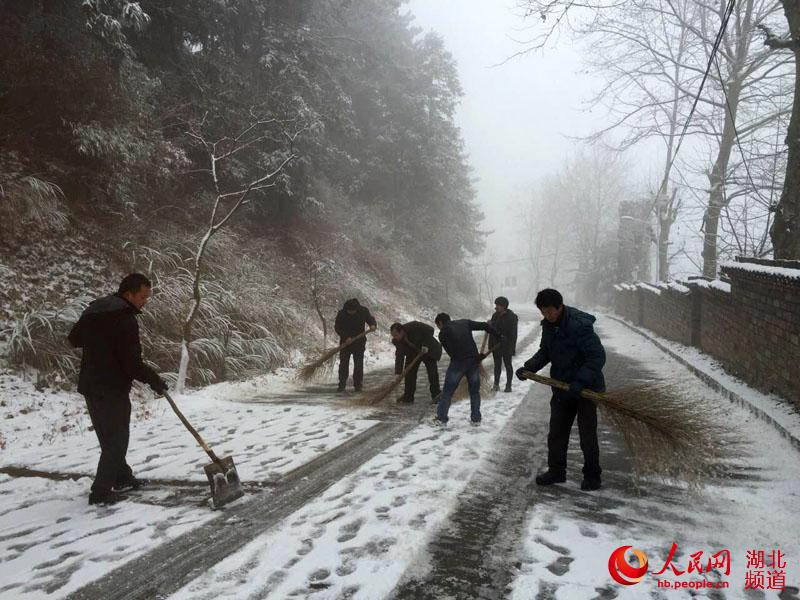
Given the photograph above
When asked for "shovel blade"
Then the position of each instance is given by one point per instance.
(224, 481)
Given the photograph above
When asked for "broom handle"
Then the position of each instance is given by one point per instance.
(491, 350)
(358, 337)
(561, 385)
(417, 358)
(483, 343)
(399, 378)
(193, 431)
(546, 380)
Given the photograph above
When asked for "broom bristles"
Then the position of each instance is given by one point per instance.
(308, 370)
(666, 434)
(383, 392)
(387, 389)
(462, 391)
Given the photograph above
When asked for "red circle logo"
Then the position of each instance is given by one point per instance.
(622, 571)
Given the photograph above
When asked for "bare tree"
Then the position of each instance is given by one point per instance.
(232, 192)
(656, 53)
(785, 230)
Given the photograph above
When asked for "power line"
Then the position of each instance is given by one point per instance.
(717, 41)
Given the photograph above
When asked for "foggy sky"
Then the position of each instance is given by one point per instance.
(516, 118)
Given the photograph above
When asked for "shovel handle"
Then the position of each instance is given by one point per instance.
(193, 431)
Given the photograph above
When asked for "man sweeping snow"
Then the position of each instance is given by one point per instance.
(465, 361)
(570, 344)
(112, 358)
(350, 323)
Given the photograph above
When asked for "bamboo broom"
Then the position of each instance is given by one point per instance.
(389, 387)
(462, 391)
(666, 434)
(310, 369)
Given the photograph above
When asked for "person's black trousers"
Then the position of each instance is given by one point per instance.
(111, 418)
(562, 415)
(500, 359)
(432, 367)
(358, 366)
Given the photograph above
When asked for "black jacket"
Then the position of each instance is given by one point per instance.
(573, 349)
(417, 335)
(456, 337)
(349, 326)
(506, 324)
(108, 332)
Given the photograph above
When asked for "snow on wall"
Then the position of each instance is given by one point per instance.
(750, 324)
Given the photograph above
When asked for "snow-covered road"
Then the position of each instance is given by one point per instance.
(388, 506)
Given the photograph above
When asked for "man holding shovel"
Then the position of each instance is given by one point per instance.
(409, 340)
(350, 323)
(112, 358)
(576, 355)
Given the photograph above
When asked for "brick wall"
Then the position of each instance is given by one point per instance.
(751, 323)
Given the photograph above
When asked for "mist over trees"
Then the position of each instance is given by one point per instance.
(718, 100)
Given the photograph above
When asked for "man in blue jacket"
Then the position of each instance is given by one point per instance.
(465, 361)
(576, 355)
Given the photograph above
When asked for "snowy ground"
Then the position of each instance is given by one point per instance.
(566, 554)
(360, 536)
(52, 542)
(377, 528)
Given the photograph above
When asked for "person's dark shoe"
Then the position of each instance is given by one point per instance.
(359, 388)
(404, 400)
(508, 388)
(549, 478)
(475, 423)
(340, 389)
(107, 498)
(435, 399)
(130, 484)
(438, 422)
(590, 484)
(496, 387)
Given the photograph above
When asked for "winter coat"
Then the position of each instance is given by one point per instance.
(349, 326)
(506, 324)
(457, 340)
(417, 335)
(108, 332)
(573, 349)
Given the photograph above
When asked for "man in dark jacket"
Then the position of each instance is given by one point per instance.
(465, 361)
(409, 340)
(112, 358)
(350, 323)
(570, 344)
(505, 321)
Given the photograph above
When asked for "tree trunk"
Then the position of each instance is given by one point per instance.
(716, 197)
(663, 249)
(785, 232)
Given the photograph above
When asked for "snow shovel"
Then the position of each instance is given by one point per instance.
(221, 473)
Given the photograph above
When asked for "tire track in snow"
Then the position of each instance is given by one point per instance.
(174, 563)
